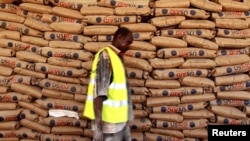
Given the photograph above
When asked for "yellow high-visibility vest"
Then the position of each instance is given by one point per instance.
(115, 107)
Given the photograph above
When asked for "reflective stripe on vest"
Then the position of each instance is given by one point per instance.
(117, 101)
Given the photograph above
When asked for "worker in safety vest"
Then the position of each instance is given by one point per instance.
(108, 103)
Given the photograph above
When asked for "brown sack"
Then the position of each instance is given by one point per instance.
(15, 97)
(63, 27)
(244, 33)
(162, 84)
(230, 121)
(34, 108)
(8, 106)
(229, 102)
(34, 40)
(3, 89)
(25, 132)
(233, 51)
(64, 78)
(13, 26)
(231, 69)
(23, 79)
(37, 24)
(9, 125)
(140, 114)
(231, 23)
(32, 73)
(65, 45)
(206, 5)
(233, 5)
(87, 65)
(140, 124)
(8, 135)
(28, 114)
(142, 11)
(176, 91)
(228, 60)
(63, 121)
(45, 137)
(30, 57)
(136, 73)
(18, 45)
(64, 36)
(66, 53)
(197, 98)
(199, 63)
(60, 71)
(95, 46)
(50, 103)
(241, 86)
(142, 45)
(7, 52)
(167, 132)
(65, 62)
(197, 114)
(44, 2)
(77, 5)
(170, 4)
(96, 10)
(161, 101)
(11, 17)
(178, 108)
(6, 71)
(185, 124)
(50, 18)
(205, 24)
(231, 79)
(166, 21)
(137, 98)
(139, 90)
(8, 34)
(60, 130)
(66, 12)
(111, 19)
(38, 8)
(200, 42)
(136, 82)
(140, 27)
(123, 3)
(80, 98)
(159, 63)
(188, 12)
(196, 133)
(231, 43)
(236, 95)
(175, 117)
(140, 54)
(99, 29)
(190, 52)
(178, 73)
(35, 126)
(230, 15)
(9, 115)
(197, 82)
(168, 42)
(179, 33)
(137, 63)
(57, 94)
(27, 89)
(226, 111)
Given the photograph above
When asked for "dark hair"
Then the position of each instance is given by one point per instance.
(121, 31)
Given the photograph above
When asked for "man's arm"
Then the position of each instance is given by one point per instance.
(102, 85)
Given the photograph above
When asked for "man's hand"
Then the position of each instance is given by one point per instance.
(98, 135)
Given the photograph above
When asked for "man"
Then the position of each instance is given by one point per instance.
(108, 102)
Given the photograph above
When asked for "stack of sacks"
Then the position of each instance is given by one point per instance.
(41, 61)
(181, 86)
(231, 74)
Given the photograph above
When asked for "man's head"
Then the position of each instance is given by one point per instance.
(122, 39)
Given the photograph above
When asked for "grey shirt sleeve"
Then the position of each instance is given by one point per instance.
(103, 75)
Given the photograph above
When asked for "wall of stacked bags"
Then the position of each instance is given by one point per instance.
(188, 66)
